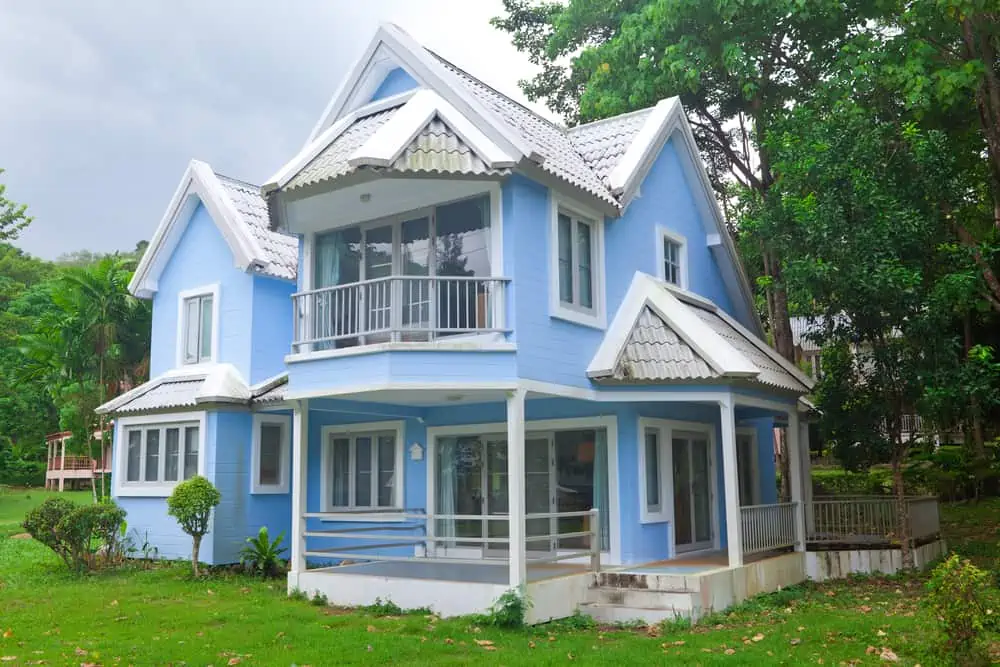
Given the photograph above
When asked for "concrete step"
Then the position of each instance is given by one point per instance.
(645, 599)
(650, 582)
(617, 613)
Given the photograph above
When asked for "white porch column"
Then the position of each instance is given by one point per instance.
(300, 459)
(515, 487)
(793, 442)
(807, 491)
(731, 483)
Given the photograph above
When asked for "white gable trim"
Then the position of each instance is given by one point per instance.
(647, 291)
(199, 184)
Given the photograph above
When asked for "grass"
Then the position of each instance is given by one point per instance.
(14, 504)
(162, 615)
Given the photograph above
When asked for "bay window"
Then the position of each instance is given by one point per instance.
(160, 454)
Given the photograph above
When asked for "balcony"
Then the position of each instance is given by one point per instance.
(398, 309)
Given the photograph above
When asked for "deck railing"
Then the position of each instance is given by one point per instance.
(870, 520)
(72, 463)
(395, 535)
(768, 527)
(397, 309)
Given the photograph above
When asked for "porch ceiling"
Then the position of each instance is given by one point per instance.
(427, 398)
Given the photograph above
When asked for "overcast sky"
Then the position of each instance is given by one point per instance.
(104, 102)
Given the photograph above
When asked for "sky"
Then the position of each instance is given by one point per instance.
(105, 102)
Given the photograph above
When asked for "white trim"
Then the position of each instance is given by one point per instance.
(664, 453)
(678, 395)
(627, 175)
(665, 234)
(153, 489)
(396, 426)
(670, 427)
(768, 350)
(597, 315)
(199, 183)
(409, 386)
(284, 462)
(489, 342)
(212, 290)
(608, 423)
(763, 403)
(755, 490)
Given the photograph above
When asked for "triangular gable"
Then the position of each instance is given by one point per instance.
(199, 185)
(654, 352)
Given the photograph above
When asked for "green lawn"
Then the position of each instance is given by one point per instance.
(163, 616)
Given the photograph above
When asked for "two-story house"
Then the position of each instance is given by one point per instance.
(451, 347)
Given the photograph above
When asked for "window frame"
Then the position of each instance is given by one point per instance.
(664, 234)
(374, 429)
(159, 488)
(182, 298)
(750, 431)
(594, 316)
(664, 514)
(284, 454)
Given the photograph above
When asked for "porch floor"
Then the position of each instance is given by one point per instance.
(694, 564)
(479, 573)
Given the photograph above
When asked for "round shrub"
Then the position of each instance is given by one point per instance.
(191, 504)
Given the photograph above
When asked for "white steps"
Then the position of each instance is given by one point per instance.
(622, 597)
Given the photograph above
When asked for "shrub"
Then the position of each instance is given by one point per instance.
(262, 556)
(508, 611)
(955, 596)
(84, 536)
(191, 504)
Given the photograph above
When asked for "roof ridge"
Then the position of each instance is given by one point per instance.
(236, 180)
(617, 117)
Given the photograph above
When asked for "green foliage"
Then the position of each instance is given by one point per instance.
(319, 600)
(191, 503)
(263, 556)
(13, 217)
(510, 610)
(84, 536)
(956, 597)
(387, 607)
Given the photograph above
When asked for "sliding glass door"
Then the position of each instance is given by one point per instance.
(692, 478)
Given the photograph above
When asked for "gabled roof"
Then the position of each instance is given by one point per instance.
(664, 335)
(239, 212)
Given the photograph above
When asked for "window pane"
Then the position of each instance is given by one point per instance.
(652, 471)
(172, 452)
(152, 455)
(340, 496)
(744, 467)
(191, 331)
(415, 261)
(190, 452)
(463, 238)
(576, 453)
(583, 251)
(565, 259)
(206, 329)
(270, 455)
(671, 262)
(386, 470)
(363, 478)
(134, 454)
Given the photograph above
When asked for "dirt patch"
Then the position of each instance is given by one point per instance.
(21, 536)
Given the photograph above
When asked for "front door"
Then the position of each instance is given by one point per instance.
(692, 477)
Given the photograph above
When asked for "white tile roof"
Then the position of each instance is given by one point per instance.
(603, 143)
(654, 351)
(281, 250)
(181, 393)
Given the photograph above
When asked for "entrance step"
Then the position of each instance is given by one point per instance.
(623, 605)
(648, 582)
(618, 613)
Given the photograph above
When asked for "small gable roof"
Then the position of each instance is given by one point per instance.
(237, 209)
(662, 335)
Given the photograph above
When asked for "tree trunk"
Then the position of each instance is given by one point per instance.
(194, 554)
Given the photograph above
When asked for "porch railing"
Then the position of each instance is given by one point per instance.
(72, 463)
(870, 520)
(397, 309)
(395, 535)
(768, 527)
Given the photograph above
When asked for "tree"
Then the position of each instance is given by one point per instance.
(13, 217)
(191, 503)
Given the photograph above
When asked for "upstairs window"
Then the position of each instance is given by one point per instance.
(577, 269)
(197, 330)
(673, 259)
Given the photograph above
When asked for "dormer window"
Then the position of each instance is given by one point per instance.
(673, 258)
(198, 325)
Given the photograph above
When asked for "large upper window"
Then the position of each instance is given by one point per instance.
(197, 325)
(271, 446)
(161, 453)
(362, 470)
(577, 268)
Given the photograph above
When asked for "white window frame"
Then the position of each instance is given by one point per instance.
(284, 456)
(595, 316)
(351, 430)
(158, 489)
(182, 296)
(664, 234)
(664, 513)
(754, 464)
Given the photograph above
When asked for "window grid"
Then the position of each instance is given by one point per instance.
(154, 455)
(671, 261)
(576, 260)
(363, 470)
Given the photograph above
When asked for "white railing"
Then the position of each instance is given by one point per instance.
(397, 308)
(870, 520)
(403, 535)
(768, 527)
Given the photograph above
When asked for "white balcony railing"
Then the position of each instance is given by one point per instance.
(767, 527)
(397, 309)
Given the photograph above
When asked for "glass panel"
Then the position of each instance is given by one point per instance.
(341, 473)
(575, 455)
(191, 331)
(190, 452)
(269, 468)
(378, 264)
(415, 261)
(683, 533)
(496, 492)
(744, 467)
(386, 470)
(463, 238)
(652, 470)
(583, 258)
(537, 491)
(671, 261)
(565, 229)
(601, 488)
(206, 329)
(338, 262)
(363, 476)
(460, 487)
(152, 455)
(172, 454)
(701, 489)
(134, 455)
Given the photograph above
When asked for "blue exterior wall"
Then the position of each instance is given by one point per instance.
(396, 81)
(202, 258)
(271, 327)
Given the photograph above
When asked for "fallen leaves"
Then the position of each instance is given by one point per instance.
(8, 658)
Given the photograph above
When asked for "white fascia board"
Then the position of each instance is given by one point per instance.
(603, 362)
(382, 148)
(199, 181)
(630, 170)
(794, 370)
(269, 384)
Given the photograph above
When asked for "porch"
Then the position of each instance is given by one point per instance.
(77, 471)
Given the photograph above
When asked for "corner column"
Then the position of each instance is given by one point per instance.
(795, 471)
(515, 487)
(62, 466)
(300, 459)
(731, 483)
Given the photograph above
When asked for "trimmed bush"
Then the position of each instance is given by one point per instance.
(84, 536)
(191, 504)
(956, 597)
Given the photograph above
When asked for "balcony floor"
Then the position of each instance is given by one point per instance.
(480, 573)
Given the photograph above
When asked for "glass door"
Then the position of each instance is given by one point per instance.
(414, 292)
(692, 477)
(378, 295)
(539, 491)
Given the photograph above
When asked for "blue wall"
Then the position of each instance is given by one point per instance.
(396, 81)
(271, 327)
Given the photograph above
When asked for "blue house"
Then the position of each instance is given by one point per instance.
(452, 348)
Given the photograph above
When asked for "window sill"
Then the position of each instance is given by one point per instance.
(653, 518)
(269, 490)
(592, 320)
(150, 490)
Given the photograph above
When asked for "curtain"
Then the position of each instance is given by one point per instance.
(601, 488)
(328, 250)
(446, 471)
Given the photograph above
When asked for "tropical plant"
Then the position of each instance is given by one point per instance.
(263, 556)
(191, 503)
